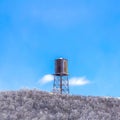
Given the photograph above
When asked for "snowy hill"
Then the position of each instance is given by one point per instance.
(38, 105)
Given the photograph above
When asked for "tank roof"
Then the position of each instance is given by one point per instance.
(61, 58)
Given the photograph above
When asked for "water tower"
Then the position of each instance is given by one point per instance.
(61, 83)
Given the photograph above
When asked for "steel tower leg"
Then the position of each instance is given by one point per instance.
(61, 84)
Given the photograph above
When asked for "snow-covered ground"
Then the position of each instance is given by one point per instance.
(38, 105)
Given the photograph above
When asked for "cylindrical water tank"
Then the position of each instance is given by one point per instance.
(61, 66)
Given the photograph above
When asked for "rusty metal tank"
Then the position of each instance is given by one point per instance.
(61, 67)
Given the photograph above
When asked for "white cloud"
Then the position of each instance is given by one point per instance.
(75, 81)
(46, 79)
(78, 81)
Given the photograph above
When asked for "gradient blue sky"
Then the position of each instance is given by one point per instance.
(35, 32)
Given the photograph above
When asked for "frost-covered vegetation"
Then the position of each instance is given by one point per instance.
(38, 105)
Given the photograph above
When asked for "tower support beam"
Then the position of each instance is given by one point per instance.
(61, 84)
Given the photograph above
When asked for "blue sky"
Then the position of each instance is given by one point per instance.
(35, 32)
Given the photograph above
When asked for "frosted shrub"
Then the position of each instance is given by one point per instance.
(38, 105)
